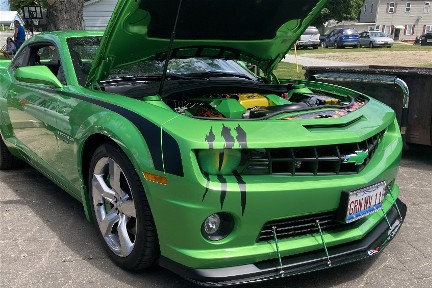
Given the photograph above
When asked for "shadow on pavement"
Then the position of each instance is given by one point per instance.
(64, 216)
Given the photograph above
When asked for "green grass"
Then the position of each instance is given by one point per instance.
(286, 70)
(289, 71)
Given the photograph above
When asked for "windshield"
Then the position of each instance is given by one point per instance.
(311, 31)
(349, 32)
(183, 67)
(83, 51)
(377, 34)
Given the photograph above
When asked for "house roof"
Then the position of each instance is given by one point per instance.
(7, 17)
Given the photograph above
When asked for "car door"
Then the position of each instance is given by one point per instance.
(364, 39)
(330, 38)
(32, 107)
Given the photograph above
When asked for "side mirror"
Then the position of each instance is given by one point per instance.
(38, 75)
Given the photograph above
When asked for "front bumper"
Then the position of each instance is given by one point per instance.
(310, 43)
(349, 44)
(369, 246)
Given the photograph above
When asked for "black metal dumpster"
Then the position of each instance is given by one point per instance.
(419, 80)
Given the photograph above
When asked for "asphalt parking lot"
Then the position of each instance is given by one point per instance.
(46, 242)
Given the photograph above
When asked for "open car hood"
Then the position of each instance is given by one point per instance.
(256, 31)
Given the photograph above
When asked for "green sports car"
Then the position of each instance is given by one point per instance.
(185, 158)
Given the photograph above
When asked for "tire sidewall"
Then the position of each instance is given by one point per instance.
(143, 251)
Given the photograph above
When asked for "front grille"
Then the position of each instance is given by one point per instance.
(312, 160)
(300, 226)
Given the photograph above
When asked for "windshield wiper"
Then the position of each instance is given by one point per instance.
(150, 77)
(219, 74)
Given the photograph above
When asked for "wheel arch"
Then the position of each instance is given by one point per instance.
(88, 148)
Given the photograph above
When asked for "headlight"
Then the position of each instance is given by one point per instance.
(226, 161)
(219, 161)
(217, 226)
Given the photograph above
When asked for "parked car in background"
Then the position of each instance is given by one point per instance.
(426, 39)
(342, 37)
(309, 38)
(373, 39)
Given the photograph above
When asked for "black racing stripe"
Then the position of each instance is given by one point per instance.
(149, 131)
(171, 155)
(242, 185)
(224, 186)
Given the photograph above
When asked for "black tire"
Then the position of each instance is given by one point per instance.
(315, 47)
(335, 45)
(7, 160)
(135, 223)
(371, 45)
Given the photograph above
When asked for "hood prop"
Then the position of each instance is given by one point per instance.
(169, 50)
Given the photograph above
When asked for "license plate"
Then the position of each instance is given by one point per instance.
(429, 40)
(359, 203)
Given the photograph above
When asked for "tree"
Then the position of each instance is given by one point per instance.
(64, 15)
(340, 10)
(60, 14)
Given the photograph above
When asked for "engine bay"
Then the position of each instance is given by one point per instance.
(299, 101)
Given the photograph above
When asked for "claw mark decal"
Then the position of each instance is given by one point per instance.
(229, 139)
(221, 159)
(241, 137)
(242, 186)
(230, 142)
(223, 182)
(207, 184)
(210, 138)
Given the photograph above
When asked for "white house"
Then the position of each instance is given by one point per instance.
(401, 19)
(8, 17)
(4, 5)
(97, 13)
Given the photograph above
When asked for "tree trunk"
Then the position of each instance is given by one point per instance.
(64, 15)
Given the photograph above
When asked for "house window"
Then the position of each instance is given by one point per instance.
(428, 28)
(371, 28)
(387, 30)
(426, 7)
(365, 8)
(371, 11)
(391, 7)
(409, 29)
(408, 7)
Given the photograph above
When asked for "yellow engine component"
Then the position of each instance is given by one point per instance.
(251, 100)
(329, 100)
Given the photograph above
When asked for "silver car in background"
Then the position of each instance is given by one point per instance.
(373, 39)
(309, 38)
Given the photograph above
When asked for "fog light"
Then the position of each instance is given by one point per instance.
(217, 226)
(212, 224)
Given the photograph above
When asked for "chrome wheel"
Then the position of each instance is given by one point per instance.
(114, 207)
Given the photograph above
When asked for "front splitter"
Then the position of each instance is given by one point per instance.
(372, 244)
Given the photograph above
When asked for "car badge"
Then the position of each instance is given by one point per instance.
(358, 157)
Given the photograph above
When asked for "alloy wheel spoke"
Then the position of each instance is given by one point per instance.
(126, 244)
(114, 173)
(108, 222)
(128, 208)
(100, 186)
